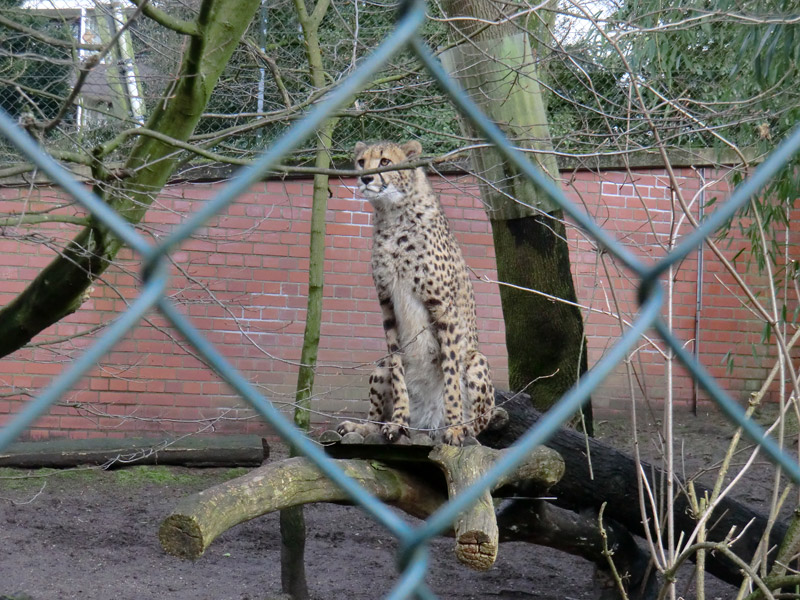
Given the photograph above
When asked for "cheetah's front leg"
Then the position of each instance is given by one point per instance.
(449, 335)
(380, 403)
(400, 406)
(479, 403)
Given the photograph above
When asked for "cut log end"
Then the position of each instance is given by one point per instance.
(476, 550)
(181, 536)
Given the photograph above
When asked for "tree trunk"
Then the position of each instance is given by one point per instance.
(497, 67)
(62, 286)
(531, 253)
(293, 548)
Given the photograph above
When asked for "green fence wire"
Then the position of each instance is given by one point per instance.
(413, 556)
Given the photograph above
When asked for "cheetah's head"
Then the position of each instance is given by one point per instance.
(388, 187)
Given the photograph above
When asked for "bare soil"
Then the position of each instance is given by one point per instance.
(91, 534)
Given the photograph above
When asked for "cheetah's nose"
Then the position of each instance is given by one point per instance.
(367, 179)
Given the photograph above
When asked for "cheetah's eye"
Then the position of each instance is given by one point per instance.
(385, 162)
(360, 163)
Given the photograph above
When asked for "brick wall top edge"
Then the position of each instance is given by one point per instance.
(679, 157)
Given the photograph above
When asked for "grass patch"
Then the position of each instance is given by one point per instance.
(235, 472)
(175, 476)
(28, 479)
(161, 475)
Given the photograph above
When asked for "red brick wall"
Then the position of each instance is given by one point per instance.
(243, 281)
(640, 211)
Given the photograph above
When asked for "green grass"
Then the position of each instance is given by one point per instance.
(26, 479)
(173, 476)
(157, 474)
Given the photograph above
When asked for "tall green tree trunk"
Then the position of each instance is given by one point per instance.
(292, 520)
(496, 65)
(62, 286)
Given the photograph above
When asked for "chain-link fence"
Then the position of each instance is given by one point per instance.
(413, 560)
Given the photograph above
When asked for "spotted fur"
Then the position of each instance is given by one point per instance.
(434, 377)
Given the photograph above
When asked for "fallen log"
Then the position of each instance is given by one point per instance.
(193, 451)
(417, 488)
(541, 523)
(615, 483)
(199, 519)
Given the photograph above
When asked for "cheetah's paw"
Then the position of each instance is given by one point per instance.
(454, 436)
(346, 427)
(393, 432)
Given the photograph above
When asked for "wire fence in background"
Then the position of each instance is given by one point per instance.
(248, 109)
(413, 559)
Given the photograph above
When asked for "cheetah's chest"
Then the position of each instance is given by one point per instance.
(398, 273)
(394, 270)
(420, 355)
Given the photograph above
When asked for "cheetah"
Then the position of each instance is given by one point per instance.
(434, 377)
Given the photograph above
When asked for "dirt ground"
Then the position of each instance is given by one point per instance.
(92, 535)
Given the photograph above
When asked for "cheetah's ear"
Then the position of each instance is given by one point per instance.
(412, 148)
(360, 147)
